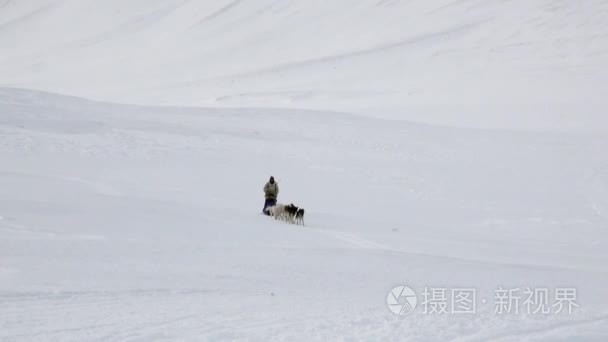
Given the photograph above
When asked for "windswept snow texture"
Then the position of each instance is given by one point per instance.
(125, 223)
(535, 64)
(434, 144)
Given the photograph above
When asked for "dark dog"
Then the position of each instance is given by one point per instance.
(299, 216)
(291, 211)
(293, 214)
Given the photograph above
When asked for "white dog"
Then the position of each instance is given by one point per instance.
(278, 212)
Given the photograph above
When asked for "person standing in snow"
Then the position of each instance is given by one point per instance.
(271, 191)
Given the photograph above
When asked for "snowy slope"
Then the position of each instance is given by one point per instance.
(142, 223)
(434, 144)
(521, 64)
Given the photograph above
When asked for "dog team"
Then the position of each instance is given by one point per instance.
(288, 213)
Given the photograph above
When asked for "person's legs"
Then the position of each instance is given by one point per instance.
(267, 204)
(265, 209)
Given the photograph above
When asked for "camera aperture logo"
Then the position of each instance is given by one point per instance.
(401, 300)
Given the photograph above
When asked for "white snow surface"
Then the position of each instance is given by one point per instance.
(433, 144)
(537, 64)
(143, 223)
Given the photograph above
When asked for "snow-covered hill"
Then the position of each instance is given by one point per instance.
(522, 64)
(434, 144)
(126, 222)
